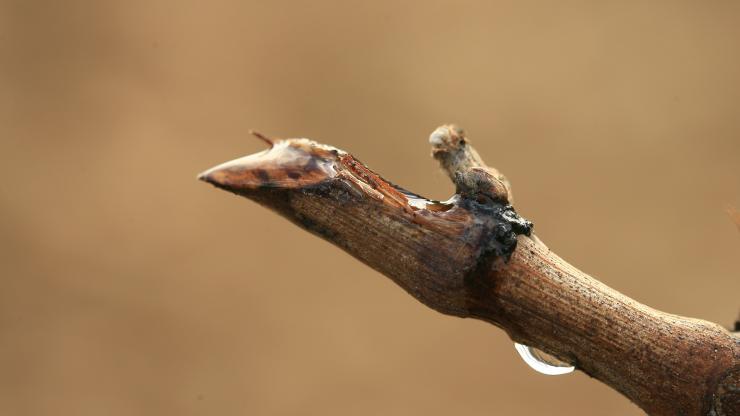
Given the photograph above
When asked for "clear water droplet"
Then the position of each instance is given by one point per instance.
(543, 362)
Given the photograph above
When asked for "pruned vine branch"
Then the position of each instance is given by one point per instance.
(474, 256)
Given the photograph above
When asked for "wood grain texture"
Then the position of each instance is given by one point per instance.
(473, 256)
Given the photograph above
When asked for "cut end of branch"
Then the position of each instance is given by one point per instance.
(287, 164)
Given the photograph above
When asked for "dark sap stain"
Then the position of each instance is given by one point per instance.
(497, 227)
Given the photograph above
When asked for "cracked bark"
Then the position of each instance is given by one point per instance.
(473, 256)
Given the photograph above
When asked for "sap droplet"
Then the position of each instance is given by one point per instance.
(542, 362)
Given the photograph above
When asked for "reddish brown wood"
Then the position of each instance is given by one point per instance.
(471, 256)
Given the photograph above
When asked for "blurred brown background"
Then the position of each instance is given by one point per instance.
(129, 288)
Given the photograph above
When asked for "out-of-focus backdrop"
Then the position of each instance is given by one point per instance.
(129, 288)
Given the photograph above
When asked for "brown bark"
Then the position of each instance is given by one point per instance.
(473, 256)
